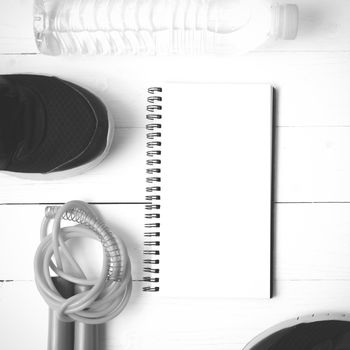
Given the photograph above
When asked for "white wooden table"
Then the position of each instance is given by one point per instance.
(312, 239)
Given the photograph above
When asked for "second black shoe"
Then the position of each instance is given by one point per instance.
(50, 128)
(314, 332)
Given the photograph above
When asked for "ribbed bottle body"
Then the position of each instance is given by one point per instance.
(104, 27)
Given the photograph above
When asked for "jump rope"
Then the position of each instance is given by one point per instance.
(78, 305)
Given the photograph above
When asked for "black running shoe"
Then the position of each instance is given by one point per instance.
(317, 332)
(50, 128)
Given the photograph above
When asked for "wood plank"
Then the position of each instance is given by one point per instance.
(16, 27)
(151, 322)
(20, 229)
(312, 87)
(311, 240)
(313, 164)
(324, 26)
(119, 178)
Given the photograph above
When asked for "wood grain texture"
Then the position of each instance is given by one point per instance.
(21, 223)
(313, 164)
(312, 241)
(17, 36)
(324, 26)
(312, 88)
(119, 178)
(150, 322)
(312, 272)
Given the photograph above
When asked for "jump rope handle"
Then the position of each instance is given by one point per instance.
(70, 335)
(61, 334)
(85, 335)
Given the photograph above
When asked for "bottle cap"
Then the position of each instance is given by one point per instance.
(286, 21)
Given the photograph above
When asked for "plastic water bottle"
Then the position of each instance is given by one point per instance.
(151, 27)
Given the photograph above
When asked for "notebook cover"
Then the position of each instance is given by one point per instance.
(210, 212)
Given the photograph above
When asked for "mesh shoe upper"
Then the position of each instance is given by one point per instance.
(53, 125)
(323, 335)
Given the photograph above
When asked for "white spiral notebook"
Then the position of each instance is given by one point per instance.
(209, 188)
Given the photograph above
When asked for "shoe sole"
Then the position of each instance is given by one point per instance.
(59, 175)
(296, 321)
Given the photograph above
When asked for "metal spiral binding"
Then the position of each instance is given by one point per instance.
(153, 189)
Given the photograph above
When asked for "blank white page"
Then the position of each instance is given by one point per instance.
(216, 190)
